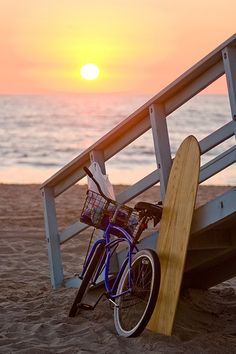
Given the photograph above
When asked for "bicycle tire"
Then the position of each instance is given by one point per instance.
(90, 271)
(134, 309)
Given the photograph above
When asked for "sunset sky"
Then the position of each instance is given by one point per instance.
(140, 46)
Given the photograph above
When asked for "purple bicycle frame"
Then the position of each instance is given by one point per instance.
(109, 244)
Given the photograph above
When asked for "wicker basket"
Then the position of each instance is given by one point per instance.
(97, 212)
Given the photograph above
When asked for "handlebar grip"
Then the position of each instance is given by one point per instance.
(88, 172)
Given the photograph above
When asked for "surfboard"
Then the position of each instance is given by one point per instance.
(174, 232)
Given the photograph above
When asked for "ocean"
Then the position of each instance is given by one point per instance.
(40, 134)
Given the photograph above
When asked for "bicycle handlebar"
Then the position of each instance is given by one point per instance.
(89, 173)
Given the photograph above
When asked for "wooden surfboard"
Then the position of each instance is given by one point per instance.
(174, 232)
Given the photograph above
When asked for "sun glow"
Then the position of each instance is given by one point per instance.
(89, 71)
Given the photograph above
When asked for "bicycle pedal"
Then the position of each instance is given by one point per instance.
(86, 307)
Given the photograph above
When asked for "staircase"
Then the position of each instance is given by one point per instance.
(211, 255)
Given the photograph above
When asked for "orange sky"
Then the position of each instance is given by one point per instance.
(140, 46)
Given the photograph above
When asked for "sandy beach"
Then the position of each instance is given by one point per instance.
(34, 317)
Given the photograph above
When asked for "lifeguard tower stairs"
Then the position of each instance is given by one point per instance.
(211, 256)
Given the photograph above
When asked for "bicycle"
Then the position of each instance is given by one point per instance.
(135, 287)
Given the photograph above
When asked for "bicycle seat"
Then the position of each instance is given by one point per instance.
(152, 210)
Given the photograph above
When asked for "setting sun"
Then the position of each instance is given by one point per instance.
(89, 71)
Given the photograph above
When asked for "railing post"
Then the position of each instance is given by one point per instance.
(97, 155)
(161, 144)
(52, 236)
(229, 59)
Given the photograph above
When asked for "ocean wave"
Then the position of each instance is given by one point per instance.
(49, 132)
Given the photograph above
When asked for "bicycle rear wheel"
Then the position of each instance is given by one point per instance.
(134, 309)
(89, 273)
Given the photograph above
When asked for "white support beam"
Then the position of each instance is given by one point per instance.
(71, 231)
(214, 212)
(124, 137)
(98, 156)
(218, 164)
(54, 253)
(197, 84)
(217, 137)
(70, 179)
(161, 144)
(139, 187)
(229, 58)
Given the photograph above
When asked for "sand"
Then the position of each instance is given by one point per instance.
(34, 317)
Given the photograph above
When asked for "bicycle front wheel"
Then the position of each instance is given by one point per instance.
(135, 307)
(89, 273)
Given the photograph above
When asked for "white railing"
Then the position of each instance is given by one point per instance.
(152, 115)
